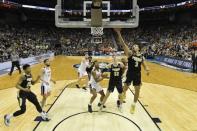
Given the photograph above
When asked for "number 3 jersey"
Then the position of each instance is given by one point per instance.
(134, 64)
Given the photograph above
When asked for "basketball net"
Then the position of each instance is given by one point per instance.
(96, 21)
(97, 31)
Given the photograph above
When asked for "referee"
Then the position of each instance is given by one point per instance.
(15, 62)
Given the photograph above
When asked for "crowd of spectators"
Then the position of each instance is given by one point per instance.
(24, 40)
(32, 41)
(168, 40)
(79, 41)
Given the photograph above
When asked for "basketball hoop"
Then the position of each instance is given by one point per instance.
(97, 31)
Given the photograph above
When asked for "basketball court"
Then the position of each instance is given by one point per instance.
(74, 116)
(67, 105)
(167, 100)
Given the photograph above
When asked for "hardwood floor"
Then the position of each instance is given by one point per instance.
(167, 94)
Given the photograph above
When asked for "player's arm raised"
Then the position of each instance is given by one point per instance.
(127, 51)
(18, 85)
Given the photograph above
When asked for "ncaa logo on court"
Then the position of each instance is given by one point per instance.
(102, 66)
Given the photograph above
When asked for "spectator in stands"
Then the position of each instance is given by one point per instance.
(32, 40)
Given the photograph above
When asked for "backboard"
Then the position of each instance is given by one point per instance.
(115, 14)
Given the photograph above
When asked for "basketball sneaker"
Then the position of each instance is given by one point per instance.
(77, 86)
(84, 88)
(45, 117)
(89, 108)
(99, 104)
(7, 120)
(120, 108)
(132, 110)
(118, 103)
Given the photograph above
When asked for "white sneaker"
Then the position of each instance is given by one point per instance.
(132, 110)
(44, 116)
(6, 120)
(120, 108)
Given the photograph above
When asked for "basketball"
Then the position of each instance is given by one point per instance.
(104, 75)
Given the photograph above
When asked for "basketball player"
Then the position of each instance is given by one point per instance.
(45, 78)
(89, 70)
(90, 66)
(25, 93)
(116, 72)
(96, 77)
(82, 73)
(135, 59)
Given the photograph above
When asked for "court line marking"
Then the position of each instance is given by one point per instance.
(96, 111)
(103, 111)
(52, 104)
(147, 112)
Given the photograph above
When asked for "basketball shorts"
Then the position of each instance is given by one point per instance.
(82, 73)
(118, 86)
(96, 86)
(135, 78)
(45, 89)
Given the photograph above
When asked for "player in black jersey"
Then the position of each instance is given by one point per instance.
(24, 85)
(89, 70)
(116, 72)
(135, 60)
(90, 66)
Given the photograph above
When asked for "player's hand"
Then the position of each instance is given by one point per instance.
(27, 90)
(104, 75)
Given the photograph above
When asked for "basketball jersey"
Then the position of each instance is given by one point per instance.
(46, 76)
(98, 74)
(134, 63)
(83, 66)
(116, 73)
(26, 83)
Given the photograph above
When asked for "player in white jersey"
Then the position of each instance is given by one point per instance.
(82, 73)
(96, 77)
(45, 78)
